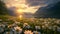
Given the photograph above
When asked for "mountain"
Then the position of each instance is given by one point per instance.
(27, 15)
(50, 11)
(12, 11)
(3, 8)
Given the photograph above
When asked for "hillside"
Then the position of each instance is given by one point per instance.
(50, 11)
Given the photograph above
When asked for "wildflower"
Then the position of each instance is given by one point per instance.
(28, 32)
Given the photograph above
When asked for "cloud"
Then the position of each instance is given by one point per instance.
(30, 2)
(27, 5)
(40, 2)
(36, 2)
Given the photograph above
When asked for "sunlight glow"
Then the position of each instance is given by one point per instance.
(20, 11)
(21, 16)
(25, 8)
(21, 7)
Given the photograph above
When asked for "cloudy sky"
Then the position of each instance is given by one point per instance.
(28, 5)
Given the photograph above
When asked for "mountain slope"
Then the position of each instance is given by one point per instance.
(3, 8)
(50, 11)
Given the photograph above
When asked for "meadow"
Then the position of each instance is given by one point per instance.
(42, 25)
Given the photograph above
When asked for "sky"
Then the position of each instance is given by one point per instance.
(28, 5)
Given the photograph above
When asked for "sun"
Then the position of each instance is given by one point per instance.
(21, 16)
(20, 10)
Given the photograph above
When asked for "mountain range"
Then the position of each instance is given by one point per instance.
(49, 11)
